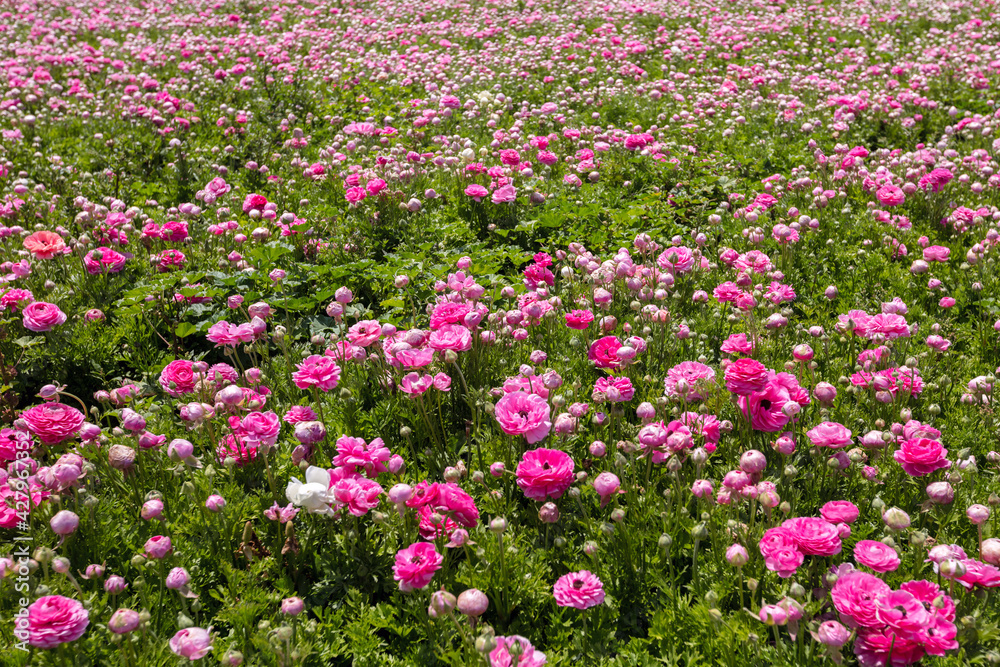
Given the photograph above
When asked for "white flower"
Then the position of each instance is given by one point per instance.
(314, 494)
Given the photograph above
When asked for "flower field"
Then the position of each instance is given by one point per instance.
(495, 332)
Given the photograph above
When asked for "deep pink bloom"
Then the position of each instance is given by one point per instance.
(604, 352)
(614, 389)
(529, 657)
(55, 620)
(745, 376)
(177, 378)
(854, 596)
(921, 456)
(545, 473)
(840, 511)
(39, 316)
(579, 319)
(354, 453)
(53, 423)
(415, 566)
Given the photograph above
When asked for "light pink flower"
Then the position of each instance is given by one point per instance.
(521, 413)
(317, 371)
(55, 620)
(580, 590)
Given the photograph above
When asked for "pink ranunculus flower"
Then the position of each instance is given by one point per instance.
(415, 566)
(579, 319)
(521, 413)
(355, 453)
(40, 316)
(192, 643)
(936, 253)
(476, 191)
(839, 511)
(45, 244)
(921, 456)
(104, 260)
(877, 556)
(177, 378)
(890, 195)
(814, 536)
(614, 389)
(829, 434)
(365, 332)
(545, 473)
(604, 352)
(528, 657)
(317, 371)
(855, 595)
(53, 423)
(692, 374)
(580, 590)
(55, 620)
(745, 376)
(453, 337)
(889, 325)
(357, 494)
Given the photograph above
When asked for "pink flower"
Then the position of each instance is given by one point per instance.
(695, 376)
(829, 434)
(840, 511)
(39, 316)
(921, 456)
(814, 536)
(177, 378)
(104, 259)
(889, 325)
(53, 423)
(614, 389)
(521, 413)
(854, 596)
(875, 555)
(55, 620)
(890, 195)
(529, 657)
(784, 561)
(191, 643)
(415, 566)
(45, 244)
(299, 413)
(606, 484)
(580, 590)
(504, 194)
(476, 191)
(451, 337)
(604, 352)
(979, 574)
(254, 202)
(260, 428)
(354, 453)
(545, 473)
(676, 260)
(767, 409)
(745, 376)
(936, 253)
(317, 371)
(736, 344)
(414, 383)
(936, 179)
(358, 494)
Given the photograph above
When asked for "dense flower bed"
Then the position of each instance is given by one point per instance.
(499, 333)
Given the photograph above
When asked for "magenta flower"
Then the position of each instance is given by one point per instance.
(545, 473)
(55, 620)
(921, 456)
(875, 555)
(415, 566)
(829, 434)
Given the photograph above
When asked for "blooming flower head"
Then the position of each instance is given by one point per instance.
(317, 371)
(55, 620)
(192, 643)
(521, 413)
(415, 566)
(545, 473)
(580, 590)
(688, 380)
